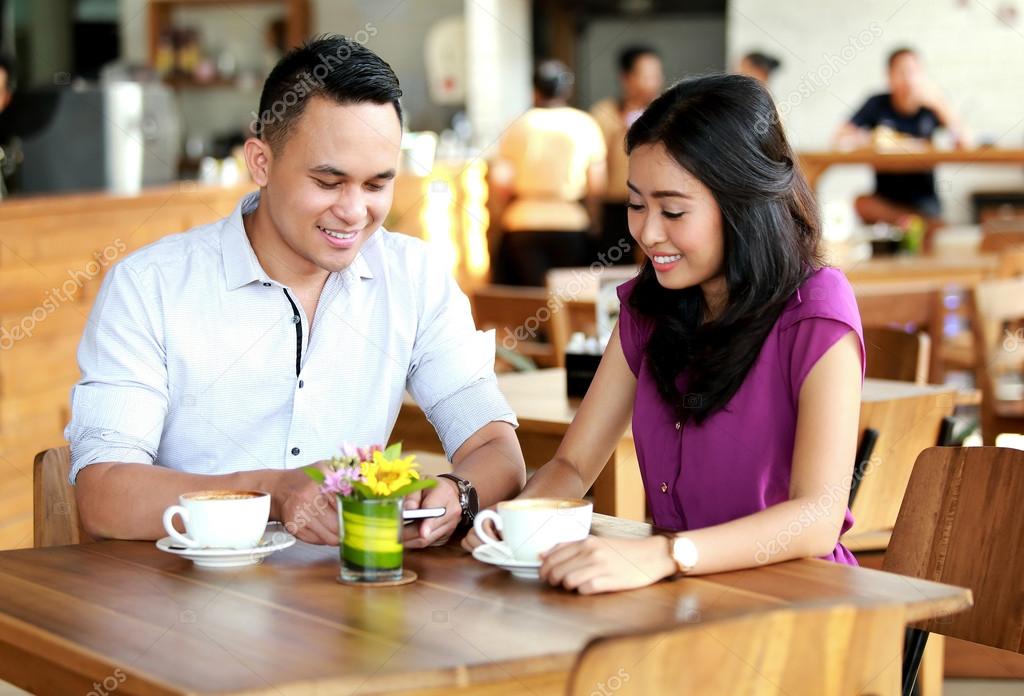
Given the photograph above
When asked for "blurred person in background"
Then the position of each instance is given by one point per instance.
(642, 79)
(547, 182)
(7, 84)
(906, 117)
(759, 66)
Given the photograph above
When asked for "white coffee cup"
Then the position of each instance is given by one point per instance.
(531, 526)
(220, 519)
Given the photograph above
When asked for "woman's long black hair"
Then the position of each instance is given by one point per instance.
(725, 131)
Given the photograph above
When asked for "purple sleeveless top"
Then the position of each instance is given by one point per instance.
(739, 460)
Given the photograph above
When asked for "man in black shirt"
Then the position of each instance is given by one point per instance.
(913, 108)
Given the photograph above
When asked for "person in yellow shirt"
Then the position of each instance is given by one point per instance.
(642, 79)
(547, 182)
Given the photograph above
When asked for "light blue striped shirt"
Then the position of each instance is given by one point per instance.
(190, 354)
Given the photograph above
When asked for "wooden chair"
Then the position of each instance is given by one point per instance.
(520, 316)
(1011, 264)
(572, 316)
(960, 524)
(1001, 234)
(912, 306)
(897, 355)
(821, 651)
(55, 513)
(998, 324)
(901, 428)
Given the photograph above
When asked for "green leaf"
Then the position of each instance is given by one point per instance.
(314, 473)
(413, 487)
(362, 489)
(393, 451)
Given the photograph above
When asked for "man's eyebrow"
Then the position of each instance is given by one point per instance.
(334, 171)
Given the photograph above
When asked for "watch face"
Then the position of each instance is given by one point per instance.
(684, 552)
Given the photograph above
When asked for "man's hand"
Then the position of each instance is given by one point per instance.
(307, 513)
(435, 531)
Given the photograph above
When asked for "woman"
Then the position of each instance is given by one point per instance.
(547, 182)
(737, 353)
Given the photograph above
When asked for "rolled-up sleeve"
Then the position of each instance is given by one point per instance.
(120, 402)
(451, 375)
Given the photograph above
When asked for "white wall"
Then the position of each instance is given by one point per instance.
(834, 54)
(499, 61)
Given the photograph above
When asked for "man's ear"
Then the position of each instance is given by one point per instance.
(258, 158)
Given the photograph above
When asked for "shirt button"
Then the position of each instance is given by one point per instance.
(296, 320)
(295, 450)
(301, 384)
(266, 285)
(664, 487)
(679, 425)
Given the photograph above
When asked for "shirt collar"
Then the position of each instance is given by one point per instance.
(241, 266)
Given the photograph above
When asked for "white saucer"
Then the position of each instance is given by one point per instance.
(274, 539)
(526, 570)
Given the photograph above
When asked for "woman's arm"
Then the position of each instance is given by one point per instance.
(595, 430)
(806, 525)
(591, 437)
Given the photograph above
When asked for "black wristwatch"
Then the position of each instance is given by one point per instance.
(467, 499)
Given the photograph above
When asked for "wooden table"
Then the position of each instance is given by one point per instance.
(125, 612)
(814, 164)
(544, 412)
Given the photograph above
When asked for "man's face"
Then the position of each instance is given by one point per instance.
(645, 81)
(906, 77)
(331, 182)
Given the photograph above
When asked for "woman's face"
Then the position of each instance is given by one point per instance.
(676, 221)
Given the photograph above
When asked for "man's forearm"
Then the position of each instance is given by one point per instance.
(126, 501)
(493, 462)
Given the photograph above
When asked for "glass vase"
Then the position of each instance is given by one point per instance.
(371, 539)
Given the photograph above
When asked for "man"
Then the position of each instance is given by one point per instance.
(641, 79)
(549, 160)
(759, 66)
(236, 353)
(913, 108)
(7, 83)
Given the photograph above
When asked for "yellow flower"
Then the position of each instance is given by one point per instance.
(385, 476)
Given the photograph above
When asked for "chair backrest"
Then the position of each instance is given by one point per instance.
(998, 326)
(911, 306)
(905, 426)
(822, 651)
(570, 317)
(1000, 234)
(521, 318)
(1011, 264)
(961, 524)
(896, 354)
(54, 511)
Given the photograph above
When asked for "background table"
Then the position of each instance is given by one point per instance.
(814, 164)
(73, 616)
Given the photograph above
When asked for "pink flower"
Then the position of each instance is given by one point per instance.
(340, 481)
(366, 453)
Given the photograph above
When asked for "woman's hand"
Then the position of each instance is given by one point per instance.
(607, 565)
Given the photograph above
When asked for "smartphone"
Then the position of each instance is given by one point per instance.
(422, 514)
